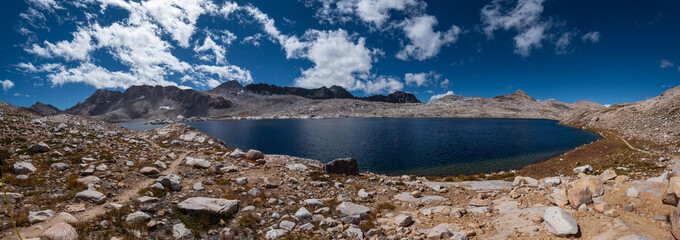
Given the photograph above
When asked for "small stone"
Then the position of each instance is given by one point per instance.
(137, 217)
(287, 225)
(402, 220)
(611, 213)
(303, 213)
(149, 171)
(198, 186)
(242, 180)
(254, 192)
(179, 231)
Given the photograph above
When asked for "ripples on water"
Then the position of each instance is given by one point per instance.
(423, 146)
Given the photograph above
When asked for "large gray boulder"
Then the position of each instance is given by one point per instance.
(23, 168)
(347, 166)
(216, 205)
(560, 222)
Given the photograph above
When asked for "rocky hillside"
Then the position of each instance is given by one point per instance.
(147, 102)
(72, 177)
(45, 109)
(231, 100)
(656, 119)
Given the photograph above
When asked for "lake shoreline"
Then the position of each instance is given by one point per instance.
(492, 165)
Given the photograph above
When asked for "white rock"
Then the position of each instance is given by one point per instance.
(287, 225)
(39, 216)
(91, 195)
(179, 231)
(303, 213)
(560, 222)
(349, 209)
(198, 186)
(60, 231)
(218, 205)
(297, 167)
(276, 233)
(197, 162)
(23, 167)
(137, 217)
(583, 169)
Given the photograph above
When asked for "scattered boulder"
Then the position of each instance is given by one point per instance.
(137, 217)
(348, 208)
(216, 205)
(180, 231)
(578, 196)
(303, 213)
(60, 166)
(253, 154)
(560, 222)
(40, 147)
(583, 169)
(60, 231)
(237, 153)
(149, 171)
(402, 220)
(672, 193)
(92, 196)
(525, 181)
(171, 181)
(197, 162)
(23, 168)
(346, 166)
(439, 232)
(607, 175)
(675, 223)
(592, 183)
(39, 216)
(275, 233)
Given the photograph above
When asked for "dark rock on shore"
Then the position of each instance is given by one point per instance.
(346, 166)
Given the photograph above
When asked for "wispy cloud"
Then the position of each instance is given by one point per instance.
(664, 63)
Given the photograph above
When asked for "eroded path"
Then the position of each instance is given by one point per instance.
(123, 198)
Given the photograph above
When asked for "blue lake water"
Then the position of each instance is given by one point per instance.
(422, 146)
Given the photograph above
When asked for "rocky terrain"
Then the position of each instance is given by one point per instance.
(656, 119)
(233, 101)
(75, 177)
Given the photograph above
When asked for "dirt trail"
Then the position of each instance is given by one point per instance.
(123, 197)
(631, 146)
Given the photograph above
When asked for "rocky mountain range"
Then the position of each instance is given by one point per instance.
(232, 100)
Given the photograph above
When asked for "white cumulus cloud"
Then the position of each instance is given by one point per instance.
(6, 85)
(421, 79)
(524, 17)
(424, 41)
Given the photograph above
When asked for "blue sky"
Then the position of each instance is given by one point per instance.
(60, 52)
